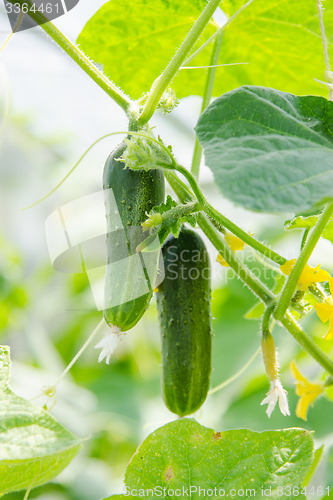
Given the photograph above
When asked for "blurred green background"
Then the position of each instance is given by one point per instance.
(51, 113)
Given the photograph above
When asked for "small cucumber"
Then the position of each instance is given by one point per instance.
(183, 303)
(129, 196)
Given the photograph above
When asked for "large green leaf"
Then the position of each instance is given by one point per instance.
(281, 44)
(308, 222)
(135, 39)
(270, 151)
(183, 454)
(34, 447)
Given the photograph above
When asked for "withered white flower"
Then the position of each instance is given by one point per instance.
(109, 343)
(276, 394)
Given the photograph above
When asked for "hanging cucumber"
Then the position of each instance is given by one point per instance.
(183, 302)
(129, 196)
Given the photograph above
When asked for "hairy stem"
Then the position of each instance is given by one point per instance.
(79, 57)
(222, 247)
(266, 319)
(207, 96)
(304, 238)
(162, 83)
(181, 210)
(307, 343)
(291, 283)
(255, 285)
(180, 187)
(219, 32)
(221, 219)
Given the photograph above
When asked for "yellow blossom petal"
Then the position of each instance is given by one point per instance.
(296, 373)
(330, 281)
(287, 267)
(312, 275)
(309, 274)
(234, 242)
(303, 404)
(324, 311)
(221, 261)
(307, 391)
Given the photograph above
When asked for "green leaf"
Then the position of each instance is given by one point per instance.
(172, 225)
(281, 45)
(270, 151)
(301, 222)
(136, 39)
(184, 453)
(317, 457)
(34, 447)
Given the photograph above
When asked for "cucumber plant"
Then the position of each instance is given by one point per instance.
(270, 150)
(132, 194)
(183, 303)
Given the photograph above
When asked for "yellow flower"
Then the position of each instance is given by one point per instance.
(307, 391)
(325, 311)
(234, 243)
(309, 274)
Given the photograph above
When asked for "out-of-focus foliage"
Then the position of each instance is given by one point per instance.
(280, 47)
(13, 294)
(48, 316)
(35, 448)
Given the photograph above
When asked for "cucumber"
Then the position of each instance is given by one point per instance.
(183, 303)
(129, 196)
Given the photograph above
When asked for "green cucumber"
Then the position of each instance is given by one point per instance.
(183, 303)
(129, 196)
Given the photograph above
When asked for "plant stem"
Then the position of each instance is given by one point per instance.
(221, 219)
(217, 33)
(27, 493)
(80, 58)
(266, 319)
(207, 96)
(291, 283)
(305, 237)
(325, 46)
(236, 375)
(218, 241)
(249, 240)
(162, 83)
(181, 189)
(18, 22)
(181, 210)
(91, 337)
(255, 285)
(307, 343)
